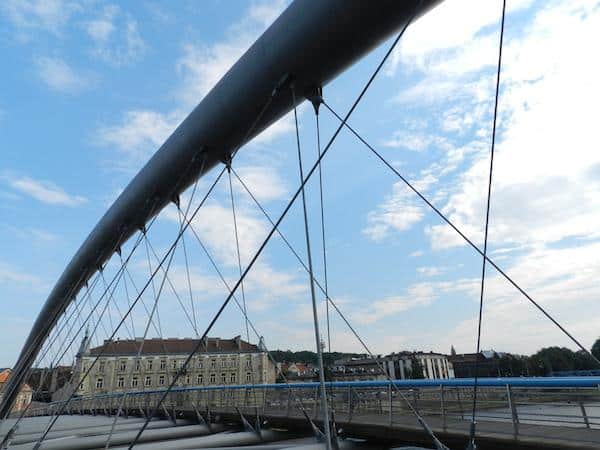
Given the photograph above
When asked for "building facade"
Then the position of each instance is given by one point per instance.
(25, 393)
(219, 362)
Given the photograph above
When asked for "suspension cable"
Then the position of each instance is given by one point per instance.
(137, 358)
(324, 408)
(240, 307)
(427, 429)
(472, 445)
(463, 236)
(237, 246)
(120, 272)
(325, 278)
(279, 220)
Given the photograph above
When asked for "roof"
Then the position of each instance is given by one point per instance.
(172, 346)
(4, 375)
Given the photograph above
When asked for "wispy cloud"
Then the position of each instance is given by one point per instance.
(116, 37)
(44, 191)
(31, 15)
(12, 275)
(137, 136)
(60, 76)
(200, 66)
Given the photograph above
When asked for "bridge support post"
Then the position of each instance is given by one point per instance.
(586, 420)
(316, 404)
(443, 406)
(289, 402)
(513, 411)
(390, 400)
(349, 404)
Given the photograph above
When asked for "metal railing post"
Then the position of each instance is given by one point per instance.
(513, 410)
(586, 420)
(443, 406)
(390, 399)
(316, 403)
(289, 402)
(350, 403)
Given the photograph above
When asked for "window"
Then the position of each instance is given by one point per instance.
(149, 364)
(123, 366)
(121, 382)
(223, 378)
(213, 363)
(137, 364)
(99, 383)
(200, 379)
(181, 363)
(174, 364)
(213, 378)
(161, 380)
(101, 366)
(248, 377)
(187, 380)
(248, 362)
(223, 363)
(163, 364)
(148, 381)
(134, 382)
(232, 378)
(199, 363)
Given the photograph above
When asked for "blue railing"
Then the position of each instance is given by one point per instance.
(516, 382)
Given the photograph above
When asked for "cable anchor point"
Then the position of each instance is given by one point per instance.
(315, 96)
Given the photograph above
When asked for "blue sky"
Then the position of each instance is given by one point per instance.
(92, 88)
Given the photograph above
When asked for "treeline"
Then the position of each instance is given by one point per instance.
(308, 357)
(543, 363)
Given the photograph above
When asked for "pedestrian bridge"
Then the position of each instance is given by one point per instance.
(519, 413)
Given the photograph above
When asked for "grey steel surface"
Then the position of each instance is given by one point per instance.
(312, 41)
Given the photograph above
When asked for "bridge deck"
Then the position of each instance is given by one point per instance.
(491, 434)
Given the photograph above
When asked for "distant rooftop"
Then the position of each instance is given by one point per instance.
(172, 346)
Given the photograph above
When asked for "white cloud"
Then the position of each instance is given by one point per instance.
(141, 131)
(398, 212)
(545, 194)
(139, 135)
(431, 271)
(101, 28)
(11, 275)
(264, 182)
(116, 37)
(416, 296)
(58, 75)
(48, 15)
(202, 66)
(44, 191)
(264, 283)
(543, 190)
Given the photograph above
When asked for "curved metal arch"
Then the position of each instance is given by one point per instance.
(312, 41)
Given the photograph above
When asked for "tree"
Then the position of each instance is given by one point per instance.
(452, 350)
(417, 369)
(596, 349)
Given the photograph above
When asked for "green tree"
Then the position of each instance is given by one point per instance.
(417, 369)
(596, 349)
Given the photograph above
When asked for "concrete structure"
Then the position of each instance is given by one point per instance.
(397, 366)
(407, 365)
(223, 362)
(358, 369)
(25, 393)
